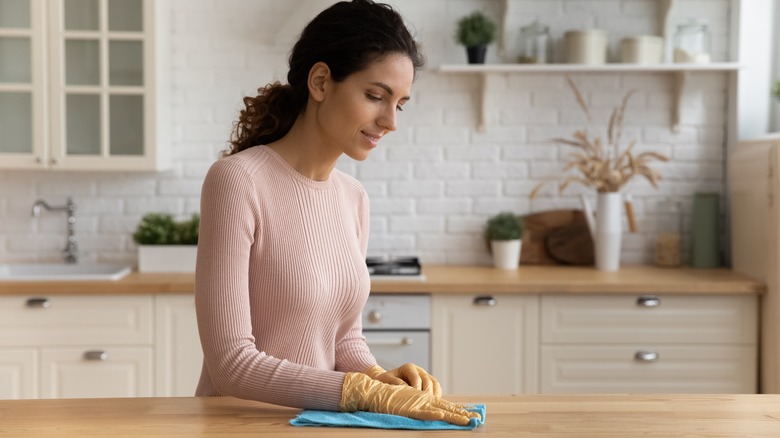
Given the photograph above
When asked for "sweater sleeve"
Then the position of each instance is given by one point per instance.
(228, 228)
(352, 352)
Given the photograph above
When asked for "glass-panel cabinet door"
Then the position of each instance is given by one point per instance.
(99, 89)
(21, 83)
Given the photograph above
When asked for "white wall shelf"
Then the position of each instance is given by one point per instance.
(680, 71)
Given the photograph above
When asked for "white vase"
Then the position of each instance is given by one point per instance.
(609, 231)
(167, 258)
(506, 253)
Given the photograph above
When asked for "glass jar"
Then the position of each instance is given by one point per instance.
(668, 241)
(535, 44)
(692, 42)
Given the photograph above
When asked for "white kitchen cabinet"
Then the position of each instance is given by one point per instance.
(641, 344)
(179, 356)
(83, 85)
(76, 346)
(485, 344)
(18, 373)
(88, 371)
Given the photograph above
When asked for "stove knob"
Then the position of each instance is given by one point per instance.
(374, 316)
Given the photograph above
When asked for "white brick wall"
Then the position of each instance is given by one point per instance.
(434, 181)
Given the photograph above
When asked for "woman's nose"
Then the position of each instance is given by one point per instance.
(387, 119)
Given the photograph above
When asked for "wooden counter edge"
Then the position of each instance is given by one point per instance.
(453, 279)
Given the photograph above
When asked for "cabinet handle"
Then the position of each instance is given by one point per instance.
(38, 303)
(485, 300)
(374, 316)
(646, 356)
(96, 355)
(392, 342)
(648, 301)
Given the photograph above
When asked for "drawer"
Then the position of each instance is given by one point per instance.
(395, 348)
(678, 369)
(75, 320)
(667, 319)
(392, 312)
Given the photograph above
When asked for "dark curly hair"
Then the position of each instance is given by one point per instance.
(347, 36)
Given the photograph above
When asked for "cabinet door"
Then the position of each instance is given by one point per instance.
(485, 345)
(179, 356)
(87, 372)
(18, 373)
(22, 84)
(648, 369)
(104, 84)
(75, 320)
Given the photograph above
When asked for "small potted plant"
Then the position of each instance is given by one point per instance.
(166, 245)
(475, 32)
(776, 90)
(505, 233)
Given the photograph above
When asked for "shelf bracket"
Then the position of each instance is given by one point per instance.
(680, 78)
(483, 102)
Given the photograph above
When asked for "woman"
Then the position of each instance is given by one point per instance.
(281, 277)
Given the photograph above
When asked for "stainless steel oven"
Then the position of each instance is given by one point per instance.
(397, 328)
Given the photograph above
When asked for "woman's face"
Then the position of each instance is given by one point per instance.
(358, 111)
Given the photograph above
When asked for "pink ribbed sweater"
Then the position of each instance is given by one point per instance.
(281, 281)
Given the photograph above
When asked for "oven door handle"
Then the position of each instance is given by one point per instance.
(391, 342)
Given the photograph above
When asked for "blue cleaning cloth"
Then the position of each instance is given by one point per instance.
(311, 417)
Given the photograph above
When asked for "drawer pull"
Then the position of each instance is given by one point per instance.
(392, 342)
(374, 316)
(96, 355)
(646, 356)
(648, 301)
(485, 300)
(38, 303)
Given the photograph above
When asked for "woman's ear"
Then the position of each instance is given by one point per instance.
(319, 75)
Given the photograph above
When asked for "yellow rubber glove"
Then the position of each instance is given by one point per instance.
(407, 374)
(362, 393)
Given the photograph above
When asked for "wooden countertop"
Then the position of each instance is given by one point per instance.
(457, 279)
(557, 416)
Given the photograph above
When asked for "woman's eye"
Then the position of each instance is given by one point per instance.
(399, 108)
(373, 98)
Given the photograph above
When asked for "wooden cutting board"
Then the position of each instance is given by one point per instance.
(556, 237)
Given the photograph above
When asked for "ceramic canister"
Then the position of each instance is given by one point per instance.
(588, 46)
(642, 49)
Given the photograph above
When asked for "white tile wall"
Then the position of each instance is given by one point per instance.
(433, 182)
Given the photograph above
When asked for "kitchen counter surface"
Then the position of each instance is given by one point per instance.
(457, 279)
(557, 416)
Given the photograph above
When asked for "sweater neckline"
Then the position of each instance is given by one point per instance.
(287, 167)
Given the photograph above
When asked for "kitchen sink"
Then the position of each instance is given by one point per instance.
(62, 272)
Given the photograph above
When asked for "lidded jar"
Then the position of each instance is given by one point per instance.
(668, 240)
(535, 44)
(692, 42)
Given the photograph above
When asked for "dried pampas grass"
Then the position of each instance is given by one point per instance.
(606, 168)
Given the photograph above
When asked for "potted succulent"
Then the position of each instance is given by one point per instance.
(776, 90)
(505, 233)
(166, 245)
(475, 32)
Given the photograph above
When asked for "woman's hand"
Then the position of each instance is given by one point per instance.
(407, 374)
(362, 393)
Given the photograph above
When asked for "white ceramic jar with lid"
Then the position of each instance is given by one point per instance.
(692, 42)
(588, 46)
(642, 49)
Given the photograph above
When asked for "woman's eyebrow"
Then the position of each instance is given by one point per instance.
(387, 88)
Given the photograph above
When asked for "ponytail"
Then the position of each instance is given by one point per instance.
(266, 117)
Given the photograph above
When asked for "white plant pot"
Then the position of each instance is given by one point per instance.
(506, 253)
(167, 258)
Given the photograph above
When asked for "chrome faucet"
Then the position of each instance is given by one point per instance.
(69, 253)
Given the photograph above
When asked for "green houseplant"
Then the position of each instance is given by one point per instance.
(505, 233)
(475, 31)
(776, 90)
(166, 245)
